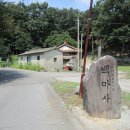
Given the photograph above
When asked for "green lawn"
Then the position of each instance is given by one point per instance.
(124, 68)
(125, 99)
(66, 90)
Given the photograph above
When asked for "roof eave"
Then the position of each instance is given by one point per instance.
(54, 48)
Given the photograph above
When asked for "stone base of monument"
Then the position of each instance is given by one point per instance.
(101, 91)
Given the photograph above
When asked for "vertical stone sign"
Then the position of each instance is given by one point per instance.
(101, 91)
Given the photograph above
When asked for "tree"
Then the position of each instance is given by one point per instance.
(24, 27)
(56, 39)
(38, 24)
(6, 27)
(112, 23)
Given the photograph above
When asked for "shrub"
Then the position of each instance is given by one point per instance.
(14, 59)
(34, 67)
(15, 64)
(2, 64)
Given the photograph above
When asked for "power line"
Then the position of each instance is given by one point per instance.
(78, 40)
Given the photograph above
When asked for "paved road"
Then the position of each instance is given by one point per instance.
(28, 102)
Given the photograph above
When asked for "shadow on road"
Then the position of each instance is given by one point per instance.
(7, 76)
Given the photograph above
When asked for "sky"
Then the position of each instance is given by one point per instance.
(76, 4)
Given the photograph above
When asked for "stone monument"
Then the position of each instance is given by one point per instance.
(101, 91)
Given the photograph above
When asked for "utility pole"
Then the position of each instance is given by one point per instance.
(92, 48)
(99, 51)
(78, 40)
(81, 45)
(86, 47)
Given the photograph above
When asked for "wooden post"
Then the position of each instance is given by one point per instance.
(86, 48)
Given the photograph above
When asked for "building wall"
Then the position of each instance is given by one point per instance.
(53, 60)
(35, 61)
(50, 60)
(23, 60)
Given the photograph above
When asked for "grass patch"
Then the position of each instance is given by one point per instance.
(34, 67)
(67, 92)
(125, 97)
(124, 68)
(15, 64)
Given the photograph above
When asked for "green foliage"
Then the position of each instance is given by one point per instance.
(4, 50)
(24, 27)
(110, 26)
(14, 59)
(34, 67)
(2, 64)
(6, 27)
(58, 39)
(66, 91)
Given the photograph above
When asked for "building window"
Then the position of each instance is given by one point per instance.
(55, 59)
(21, 58)
(38, 57)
